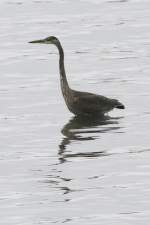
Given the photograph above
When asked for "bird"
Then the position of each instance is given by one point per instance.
(80, 103)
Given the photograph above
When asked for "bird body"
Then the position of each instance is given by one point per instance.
(80, 103)
(84, 103)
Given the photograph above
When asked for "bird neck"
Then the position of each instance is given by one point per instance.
(63, 78)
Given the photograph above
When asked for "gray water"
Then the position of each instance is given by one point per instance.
(54, 168)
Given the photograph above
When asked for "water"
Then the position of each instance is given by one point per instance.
(54, 168)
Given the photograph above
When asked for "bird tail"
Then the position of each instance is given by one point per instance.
(120, 106)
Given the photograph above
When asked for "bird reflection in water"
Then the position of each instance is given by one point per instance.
(78, 129)
(85, 129)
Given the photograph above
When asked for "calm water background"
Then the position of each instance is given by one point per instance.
(55, 169)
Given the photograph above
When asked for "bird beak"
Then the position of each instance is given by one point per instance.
(38, 41)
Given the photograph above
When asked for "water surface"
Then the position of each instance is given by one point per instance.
(56, 168)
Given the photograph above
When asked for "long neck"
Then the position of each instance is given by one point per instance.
(63, 79)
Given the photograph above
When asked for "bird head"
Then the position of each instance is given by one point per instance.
(48, 40)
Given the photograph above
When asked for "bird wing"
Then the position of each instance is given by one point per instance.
(89, 103)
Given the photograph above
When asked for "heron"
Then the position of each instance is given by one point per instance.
(80, 103)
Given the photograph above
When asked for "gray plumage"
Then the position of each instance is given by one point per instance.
(80, 103)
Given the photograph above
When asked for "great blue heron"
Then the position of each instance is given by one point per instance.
(80, 103)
